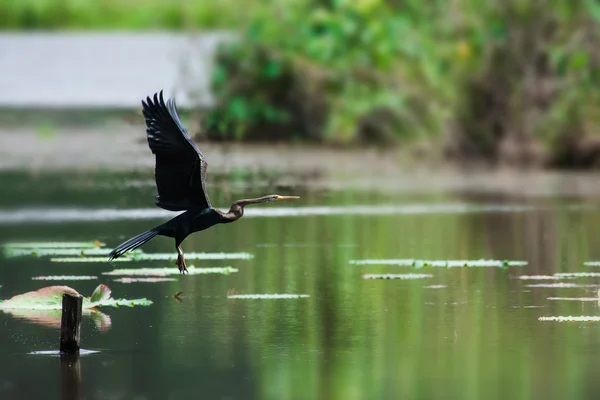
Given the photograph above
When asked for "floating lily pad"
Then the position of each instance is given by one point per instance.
(561, 275)
(171, 271)
(148, 280)
(64, 278)
(139, 255)
(580, 318)
(397, 276)
(267, 296)
(592, 263)
(441, 263)
(79, 252)
(190, 256)
(538, 277)
(53, 245)
(562, 285)
(575, 298)
(89, 259)
(50, 298)
(577, 274)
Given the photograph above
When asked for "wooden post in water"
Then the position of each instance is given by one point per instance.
(70, 323)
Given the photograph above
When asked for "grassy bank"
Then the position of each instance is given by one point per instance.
(506, 81)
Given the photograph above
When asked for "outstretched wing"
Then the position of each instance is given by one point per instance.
(180, 169)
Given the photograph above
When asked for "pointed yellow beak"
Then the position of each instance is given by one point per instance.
(287, 197)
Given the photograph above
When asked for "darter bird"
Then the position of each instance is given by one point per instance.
(180, 175)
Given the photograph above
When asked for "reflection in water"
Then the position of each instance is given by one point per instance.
(70, 374)
(51, 318)
(463, 333)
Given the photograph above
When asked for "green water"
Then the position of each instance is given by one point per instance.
(477, 336)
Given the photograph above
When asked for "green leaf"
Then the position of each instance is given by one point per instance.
(579, 60)
(272, 69)
(50, 298)
(171, 271)
(267, 296)
(101, 293)
(441, 263)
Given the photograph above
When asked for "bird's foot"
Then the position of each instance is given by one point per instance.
(181, 264)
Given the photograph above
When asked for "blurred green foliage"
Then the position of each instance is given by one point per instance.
(340, 70)
(114, 14)
(508, 79)
(492, 79)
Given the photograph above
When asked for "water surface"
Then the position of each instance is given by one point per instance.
(465, 333)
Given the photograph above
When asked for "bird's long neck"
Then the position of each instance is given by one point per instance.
(237, 208)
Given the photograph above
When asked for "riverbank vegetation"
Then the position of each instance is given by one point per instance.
(512, 81)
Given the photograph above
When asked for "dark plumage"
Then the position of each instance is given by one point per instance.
(180, 174)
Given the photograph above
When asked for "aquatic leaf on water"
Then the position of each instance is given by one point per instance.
(561, 285)
(101, 293)
(441, 263)
(171, 271)
(149, 280)
(267, 296)
(592, 263)
(577, 274)
(89, 259)
(397, 276)
(50, 298)
(575, 298)
(80, 252)
(561, 275)
(53, 245)
(64, 278)
(191, 256)
(141, 256)
(538, 277)
(581, 318)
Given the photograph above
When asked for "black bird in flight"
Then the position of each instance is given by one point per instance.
(180, 174)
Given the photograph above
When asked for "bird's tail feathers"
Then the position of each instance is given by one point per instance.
(133, 243)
